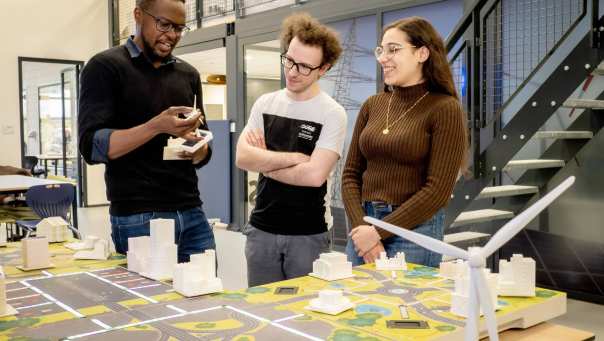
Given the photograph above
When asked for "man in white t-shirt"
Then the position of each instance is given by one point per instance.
(293, 137)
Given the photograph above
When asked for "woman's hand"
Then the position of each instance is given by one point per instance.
(364, 237)
(374, 253)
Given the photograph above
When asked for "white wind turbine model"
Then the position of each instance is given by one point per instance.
(476, 257)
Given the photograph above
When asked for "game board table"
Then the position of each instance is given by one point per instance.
(99, 301)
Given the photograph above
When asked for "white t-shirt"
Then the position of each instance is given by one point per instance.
(295, 126)
(321, 110)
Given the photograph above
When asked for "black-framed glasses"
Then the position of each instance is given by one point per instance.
(302, 68)
(166, 26)
(389, 50)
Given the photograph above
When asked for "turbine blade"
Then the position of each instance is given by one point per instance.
(509, 230)
(420, 239)
(485, 301)
(473, 311)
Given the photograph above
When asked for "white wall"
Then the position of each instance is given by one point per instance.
(214, 94)
(57, 29)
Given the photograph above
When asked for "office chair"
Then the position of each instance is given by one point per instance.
(30, 163)
(49, 201)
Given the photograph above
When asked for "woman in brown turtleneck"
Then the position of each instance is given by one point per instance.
(407, 147)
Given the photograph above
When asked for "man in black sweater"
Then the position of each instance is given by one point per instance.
(131, 102)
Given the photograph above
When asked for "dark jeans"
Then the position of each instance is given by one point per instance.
(275, 257)
(192, 232)
(414, 253)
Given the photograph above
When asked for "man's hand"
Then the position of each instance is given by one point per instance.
(255, 138)
(364, 237)
(198, 156)
(374, 253)
(168, 122)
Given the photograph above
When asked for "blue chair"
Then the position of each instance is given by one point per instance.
(48, 201)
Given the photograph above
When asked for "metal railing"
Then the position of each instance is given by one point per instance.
(496, 48)
(197, 12)
(517, 37)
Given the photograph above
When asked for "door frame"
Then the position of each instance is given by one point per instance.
(78, 67)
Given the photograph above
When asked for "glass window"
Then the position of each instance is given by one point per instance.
(350, 82)
(262, 72)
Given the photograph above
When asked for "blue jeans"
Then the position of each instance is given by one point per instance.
(414, 253)
(192, 232)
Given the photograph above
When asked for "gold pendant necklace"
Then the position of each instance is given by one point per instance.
(386, 130)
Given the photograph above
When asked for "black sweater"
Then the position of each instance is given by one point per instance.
(119, 92)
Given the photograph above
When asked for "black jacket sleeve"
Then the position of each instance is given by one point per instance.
(97, 106)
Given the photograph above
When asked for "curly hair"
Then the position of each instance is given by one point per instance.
(146, 4)
(310, 32)
(436, 69)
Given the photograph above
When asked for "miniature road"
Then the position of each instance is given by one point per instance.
(248, 322)
(410, 297)
(165, 328)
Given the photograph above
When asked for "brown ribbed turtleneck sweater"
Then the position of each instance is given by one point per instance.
(414, 166)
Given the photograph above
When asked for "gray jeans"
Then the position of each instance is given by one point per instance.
(275, 257)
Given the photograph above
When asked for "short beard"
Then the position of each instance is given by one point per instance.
(148, 50)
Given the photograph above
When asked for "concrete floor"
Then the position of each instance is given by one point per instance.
(232, 269)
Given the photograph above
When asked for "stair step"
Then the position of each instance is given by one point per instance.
(506, 191)
(563, 135)
(584, 103)
(479, 216)
(533, 164)
(600, 69)
(452, 238)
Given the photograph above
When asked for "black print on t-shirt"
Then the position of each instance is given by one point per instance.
(286, 134)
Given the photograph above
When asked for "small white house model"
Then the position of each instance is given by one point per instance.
(99, 250)
(86, 244)
(56, 229)
(332, 266)
(159, 264)
(330, 302)
(173, 151)
(5, 309)
(460, 298)
(35, 254)
(395, 263)
(453, 269)
(197, 277)
(517, 277)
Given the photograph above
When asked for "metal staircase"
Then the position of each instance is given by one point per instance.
(505, 113)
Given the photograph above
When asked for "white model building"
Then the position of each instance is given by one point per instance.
(34, 253)
(159, 264)
(86, 244)
(139, 249)
(99, 250)
(197, 277)
(3, 234)
(453, 269)
(56, 229)
(460, 299)
(517, 277)
(173, 150)
(332, 266)
(395, 263)
(330, 302)
(5, 309)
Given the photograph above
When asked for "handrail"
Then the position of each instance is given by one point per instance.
(463, 24)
